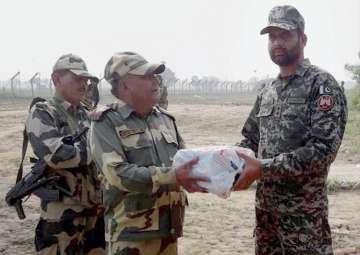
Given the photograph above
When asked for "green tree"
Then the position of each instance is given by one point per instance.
(355, 71)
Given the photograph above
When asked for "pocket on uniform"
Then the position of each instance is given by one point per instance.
(137, 148)
(266, 108)
(169, 138)
(45, 235)
(141, 213)
(135, 142)
(172, 144)
(138, 202)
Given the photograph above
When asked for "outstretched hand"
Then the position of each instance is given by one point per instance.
(186, 179)
(251, 173)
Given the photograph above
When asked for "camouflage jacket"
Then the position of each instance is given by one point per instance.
(140, 195)
(296, 128)
(47, 124)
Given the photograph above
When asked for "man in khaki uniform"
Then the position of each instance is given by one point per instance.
(133, 143)
(73, 223)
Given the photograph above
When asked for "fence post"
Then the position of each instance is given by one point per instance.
(32, 84)
(12, 83)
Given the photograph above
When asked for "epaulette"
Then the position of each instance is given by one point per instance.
(99, 112)
(38, 102)
(162, 110)
(43, 106)
(264, 85)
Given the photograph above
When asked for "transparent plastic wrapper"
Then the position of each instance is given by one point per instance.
(220, 164)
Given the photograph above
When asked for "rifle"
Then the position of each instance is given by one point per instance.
(37, 183)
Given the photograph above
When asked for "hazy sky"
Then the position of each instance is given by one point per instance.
(194, 37)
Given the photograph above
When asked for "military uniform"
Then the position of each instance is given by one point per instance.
(144, 207)
(296, 128)
(74, 223)
(142, 201)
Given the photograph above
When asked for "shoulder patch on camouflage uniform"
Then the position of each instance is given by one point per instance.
(162, 110)
(99, 112)
(325, 90)
(326, 102)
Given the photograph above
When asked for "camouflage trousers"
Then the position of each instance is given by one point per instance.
(292, 234)
(70, 230)
(166, 246)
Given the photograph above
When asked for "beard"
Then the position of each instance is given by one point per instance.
(289, 57)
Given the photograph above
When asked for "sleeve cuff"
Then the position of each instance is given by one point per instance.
(265, 167)
(162, 176)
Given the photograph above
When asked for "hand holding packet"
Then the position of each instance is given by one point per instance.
(220, 164)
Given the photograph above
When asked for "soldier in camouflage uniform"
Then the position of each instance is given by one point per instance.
(133, 143)
(296, 128)
(73, 224)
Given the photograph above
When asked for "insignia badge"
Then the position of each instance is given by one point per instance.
(128, 132)
(328, 90)
(326, 102)
(325, 90)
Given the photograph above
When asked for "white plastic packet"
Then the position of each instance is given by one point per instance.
(218, 163)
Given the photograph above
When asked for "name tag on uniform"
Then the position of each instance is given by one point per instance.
(296, 100)
(128, 132)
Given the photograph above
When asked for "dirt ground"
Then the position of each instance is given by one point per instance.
(213, 225)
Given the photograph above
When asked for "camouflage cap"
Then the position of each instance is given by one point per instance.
(285, 17)
(74, 64)
(123, 63)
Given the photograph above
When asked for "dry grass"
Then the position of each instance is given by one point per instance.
(213, 225)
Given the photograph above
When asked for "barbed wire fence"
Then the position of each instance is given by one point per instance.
(17, 88)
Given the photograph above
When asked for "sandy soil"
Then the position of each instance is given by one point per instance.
(213, 225)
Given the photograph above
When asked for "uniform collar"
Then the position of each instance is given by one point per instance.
(126, 110)
(65, 104)
(301, 69)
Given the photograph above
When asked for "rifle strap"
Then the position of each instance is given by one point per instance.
(23, 153)
(26, 141)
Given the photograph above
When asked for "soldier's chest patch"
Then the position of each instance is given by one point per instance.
(296, 100)
(128, 132)
(326, 102)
